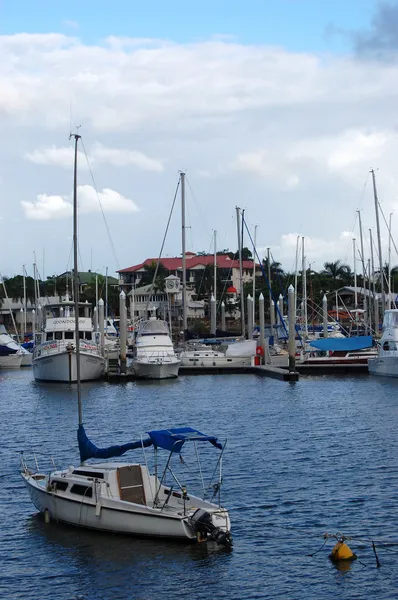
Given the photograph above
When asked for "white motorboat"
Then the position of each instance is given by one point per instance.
(154, 356)
(54, 355)
(386, 363)
(239, 353)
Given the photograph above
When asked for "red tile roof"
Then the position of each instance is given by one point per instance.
(173, 264)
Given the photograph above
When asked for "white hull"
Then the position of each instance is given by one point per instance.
(385, 365)
(62, 367)
(155, 370)
(113, 515)
(12, 361)
(188, 360)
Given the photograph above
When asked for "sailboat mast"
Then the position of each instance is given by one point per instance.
(383, 295)
(304, 273)
(76, 283)
(375, 301)
(184, 258)
(389, 262)
(254, 274)
(215, 269)
(24, 301)
(363, 270)
(242, 299)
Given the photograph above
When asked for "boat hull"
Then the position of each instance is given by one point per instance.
(188, 360)
(109, 515)
(10, 361)
(62, 367)
(156, 370)
(384, 365)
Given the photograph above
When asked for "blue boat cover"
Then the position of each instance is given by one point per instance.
(343, 344)
(174, 439)
(169, 439)
(88, 450)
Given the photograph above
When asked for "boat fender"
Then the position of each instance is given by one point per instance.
(46, 516)
(98, 507)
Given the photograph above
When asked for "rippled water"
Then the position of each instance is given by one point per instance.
(302, 459)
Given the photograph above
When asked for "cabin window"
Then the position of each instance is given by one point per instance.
(58, 335)
(81, 335)
(59, 485)
(82, 490)
(89, 335)
(50, 336)
(69, 335)
(88, 474)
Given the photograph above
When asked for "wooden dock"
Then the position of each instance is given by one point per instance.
(264, 371)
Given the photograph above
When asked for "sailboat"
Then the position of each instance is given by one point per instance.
(126, 497)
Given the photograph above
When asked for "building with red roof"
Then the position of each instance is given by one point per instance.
(227, 268)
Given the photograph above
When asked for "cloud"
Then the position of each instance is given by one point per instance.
(290, 136)
(381, 40)
(99, 154)
(47, 207)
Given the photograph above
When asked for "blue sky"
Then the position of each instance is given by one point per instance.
(302, 25)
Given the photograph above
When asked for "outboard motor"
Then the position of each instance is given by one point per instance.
(203, 526)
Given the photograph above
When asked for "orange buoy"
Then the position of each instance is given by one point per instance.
(342, 552)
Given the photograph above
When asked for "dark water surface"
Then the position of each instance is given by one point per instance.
(302, 459)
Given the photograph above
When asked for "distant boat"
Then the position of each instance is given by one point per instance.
(239, 353)
(386, 362)
(351, 350)
(54, 355)
(12, 355)
(153, 355)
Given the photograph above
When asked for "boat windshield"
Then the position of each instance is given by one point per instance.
(390, 319)
(154, 327)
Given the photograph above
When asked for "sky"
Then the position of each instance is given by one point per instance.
(280, 107)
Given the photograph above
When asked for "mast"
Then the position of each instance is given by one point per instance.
(355, 282)
(254, 275)
(363, 268)
(296, 275)
(304, 274)
(106, 300)
(76, 284)
(271, 308)
(383, 295)
(215, 269)
(24, 301)
(242, 300)
(184, 258)
(389, 262)
(375, 301)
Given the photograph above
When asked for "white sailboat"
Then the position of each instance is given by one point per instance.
(128, 498)
(154, 356)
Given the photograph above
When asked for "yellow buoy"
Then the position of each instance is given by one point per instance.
(342, 552)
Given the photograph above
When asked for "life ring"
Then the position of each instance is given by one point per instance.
(260, 351)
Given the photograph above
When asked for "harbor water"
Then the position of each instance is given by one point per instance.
(302, 459)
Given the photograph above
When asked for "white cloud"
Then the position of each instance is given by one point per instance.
(59, 207)
(290, 136)
(99, 154)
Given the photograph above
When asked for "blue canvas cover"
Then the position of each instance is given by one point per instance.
(174, 439)
(343, 344)
(88, 450)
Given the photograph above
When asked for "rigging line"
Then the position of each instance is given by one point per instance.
(282, 321)
(203, 216)
(162, 246)
(100, 203)
(204, 271)
(388, 229)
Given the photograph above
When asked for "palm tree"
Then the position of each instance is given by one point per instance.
(338, 272)
(149, 274)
